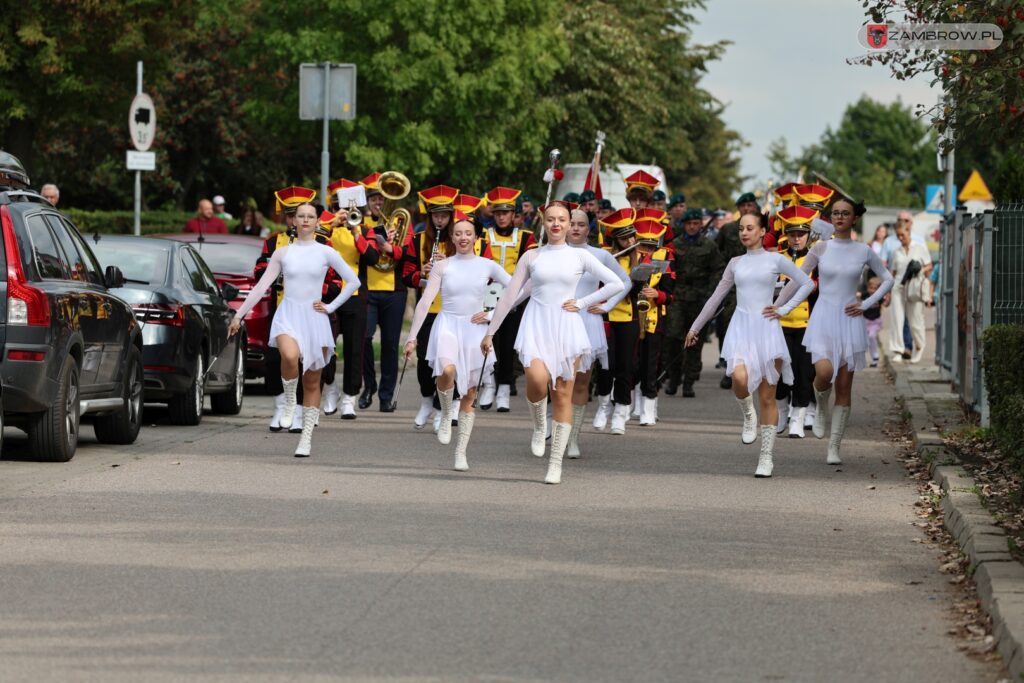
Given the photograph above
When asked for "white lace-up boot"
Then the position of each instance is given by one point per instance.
(559, 440)
(840, 415)
(275, 419)
(462, 440)
(423, 414)
(331, 396)
(309, 416)
(796, 423)
(783, 407)
(573, 450)
(764, 461)
(291, 386)
(539, 413)
(444, 430)
(749, 419)
(823, 415)
(604, 409)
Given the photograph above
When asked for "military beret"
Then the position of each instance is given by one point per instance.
(746, 197)
(658, 196)
(693, 215)
(587, 196)
(525, 198)
(571, 197)
(677, 198)
(605, 204)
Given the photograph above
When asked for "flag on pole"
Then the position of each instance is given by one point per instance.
(593, 181)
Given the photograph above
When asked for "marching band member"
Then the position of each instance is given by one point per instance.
(287, 200)
(836, 336)
(386, 298)
(754, 348)
(698, 266)
(301, 329)
(552, 342)
(795, 222)
(623, 329)
(453, 349)
(357, 246)
(655, 296)
(508, 244)
(423, 251)
(593, 321)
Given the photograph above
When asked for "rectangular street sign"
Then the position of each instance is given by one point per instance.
(141, 161)
(342, 97)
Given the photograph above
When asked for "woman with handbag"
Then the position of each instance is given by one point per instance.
(911, 265)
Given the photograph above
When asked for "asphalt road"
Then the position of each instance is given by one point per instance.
(210, 553)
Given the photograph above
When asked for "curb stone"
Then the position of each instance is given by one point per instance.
(999, 578)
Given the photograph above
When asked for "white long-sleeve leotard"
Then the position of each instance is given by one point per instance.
(754, 275)
(589, 283)
(462, 282)
(840, 263)
(554, 273)
(304, 264)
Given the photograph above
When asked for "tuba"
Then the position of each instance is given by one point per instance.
(394, 187)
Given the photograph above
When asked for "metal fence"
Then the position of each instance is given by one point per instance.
(981, 282)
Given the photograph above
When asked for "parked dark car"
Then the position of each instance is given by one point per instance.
(184, 316)
(232, 258)
(70, 347)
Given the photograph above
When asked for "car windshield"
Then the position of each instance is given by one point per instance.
(229, 257)
(142, 261)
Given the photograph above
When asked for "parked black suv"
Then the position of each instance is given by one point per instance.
(69, 346)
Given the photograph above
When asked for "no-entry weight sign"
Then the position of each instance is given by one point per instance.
(142, 122)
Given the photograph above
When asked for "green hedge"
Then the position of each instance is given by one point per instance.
(1003, 361)
(122, 222)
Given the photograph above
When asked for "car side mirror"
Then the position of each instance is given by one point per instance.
(228, 292)
(113, 277)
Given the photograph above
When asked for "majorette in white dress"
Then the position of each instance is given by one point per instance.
(454, 339)
(752, 340)
(832, 334)
(304, 264)
(593, 322)
(548, 332)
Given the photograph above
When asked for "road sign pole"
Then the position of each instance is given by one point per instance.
(325, 155)
(138, 174)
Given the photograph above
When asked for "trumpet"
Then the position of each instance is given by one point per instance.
(394, 186)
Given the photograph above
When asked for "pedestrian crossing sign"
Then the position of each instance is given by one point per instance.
(935, 199)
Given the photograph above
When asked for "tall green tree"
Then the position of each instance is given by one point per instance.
(881, 153)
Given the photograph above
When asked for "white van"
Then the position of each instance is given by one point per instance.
(613, 183)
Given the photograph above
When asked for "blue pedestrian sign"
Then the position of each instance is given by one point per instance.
(935, 198)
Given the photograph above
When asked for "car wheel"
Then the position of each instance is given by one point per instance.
(230, 402)
(122, 427)
(187, 408)
(53, 434)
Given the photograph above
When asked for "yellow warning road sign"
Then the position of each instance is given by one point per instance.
(975, 189)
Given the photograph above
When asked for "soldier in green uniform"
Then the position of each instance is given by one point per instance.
(698, 266)
(728, 242)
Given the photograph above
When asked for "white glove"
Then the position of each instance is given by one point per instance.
(549, 175)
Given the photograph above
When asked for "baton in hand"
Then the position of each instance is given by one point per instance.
(398, 389)
(483, 371)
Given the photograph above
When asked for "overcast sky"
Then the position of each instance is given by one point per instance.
(785, 74)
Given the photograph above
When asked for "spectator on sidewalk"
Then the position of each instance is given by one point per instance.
(873, 317)
(205, 222)
(909, 293)
(51, 193)
(251, 224)
(218, 209)
(881, 233)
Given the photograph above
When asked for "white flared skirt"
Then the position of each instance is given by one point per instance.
(756, 342)
(310, 330)
(556, 337)
(836, 337)
(594, 325)
(455, 340)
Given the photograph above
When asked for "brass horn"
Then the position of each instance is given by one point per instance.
(394, 187)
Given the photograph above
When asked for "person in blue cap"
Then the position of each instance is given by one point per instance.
(676, 209)
(659, 201)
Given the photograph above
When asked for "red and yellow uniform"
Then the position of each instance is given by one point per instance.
(650, 235)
